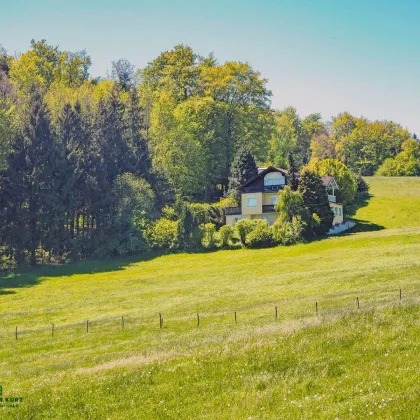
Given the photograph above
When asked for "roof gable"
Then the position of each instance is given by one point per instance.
(329, 181)
(264, 172)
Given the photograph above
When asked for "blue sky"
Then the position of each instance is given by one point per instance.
(326, 56)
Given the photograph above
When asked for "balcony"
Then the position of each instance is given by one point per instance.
(263, 189)
(332, 198)
(268, 209)
(232, 210)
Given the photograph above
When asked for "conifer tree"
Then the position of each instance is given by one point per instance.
(188, 228)
(294, 182)
(243, 168)
(31, 181)
(315, 198)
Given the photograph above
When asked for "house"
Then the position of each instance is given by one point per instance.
(259, 195)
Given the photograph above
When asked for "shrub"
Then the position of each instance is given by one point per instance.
(244, 227)
(226, 234)
(189, 232)
(226, 202)
(288, 233)
(200, 212)
(261, 236)
(169, 213)
(163, 234)
(208, 232)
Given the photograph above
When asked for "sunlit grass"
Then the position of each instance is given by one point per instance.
(342, 363)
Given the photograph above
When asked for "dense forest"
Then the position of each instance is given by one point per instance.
(89, 165)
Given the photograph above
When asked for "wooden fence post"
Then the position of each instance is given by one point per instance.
(316, 307)
(358, 303)
(275, 312)
(160, 320)
(16, 333)
(87, 326)
(122, 322)
(235, 318)
(400, 296)
(198, 320)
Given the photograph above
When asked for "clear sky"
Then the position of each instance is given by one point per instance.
(326, 56)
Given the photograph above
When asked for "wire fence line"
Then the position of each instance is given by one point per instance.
(186, 321)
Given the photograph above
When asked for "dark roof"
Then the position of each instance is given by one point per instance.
(262, 172)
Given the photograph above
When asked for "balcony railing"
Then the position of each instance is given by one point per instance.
(232, 210)
(263, 189)
(268, 209)
(332, 198)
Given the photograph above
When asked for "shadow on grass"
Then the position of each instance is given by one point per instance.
(362, 200)
(31, 276)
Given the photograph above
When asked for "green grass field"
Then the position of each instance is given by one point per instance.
(344, 363)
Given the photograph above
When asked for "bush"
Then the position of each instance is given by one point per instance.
(288, 233)
(169, 213)
(244, 227)
(208, 232)
(261, 236)
(226, 234)
(189, 232)
(125, 242)
(163, 234)
(200, 212)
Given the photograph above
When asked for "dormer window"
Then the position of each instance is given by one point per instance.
(274, 200)
(274, 178)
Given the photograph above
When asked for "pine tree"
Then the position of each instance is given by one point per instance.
(31, 183)
(294, 182)
(243, 168)
(72, 143)
(315, 198)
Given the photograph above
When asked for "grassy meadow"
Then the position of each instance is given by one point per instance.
(344, 362)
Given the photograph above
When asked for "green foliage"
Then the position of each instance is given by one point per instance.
(201, 212)
(133, 196)
(169, 213)
(208, 235)
(226, 234)
(362, 185)
(406, 163)
(163, 234)
(293, 173)
(363, 145)
(244, 227)
(291, 204)
(289, 232)
(261, 236)
(293, 135)
(243, 168)
(344, 177)
(315, 199)
(189, 233)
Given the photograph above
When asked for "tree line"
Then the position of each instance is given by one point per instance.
(89, 164)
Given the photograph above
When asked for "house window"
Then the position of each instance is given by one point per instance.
(251, 201)
(274, 200)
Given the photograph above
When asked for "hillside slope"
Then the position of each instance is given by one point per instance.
(342, 363)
